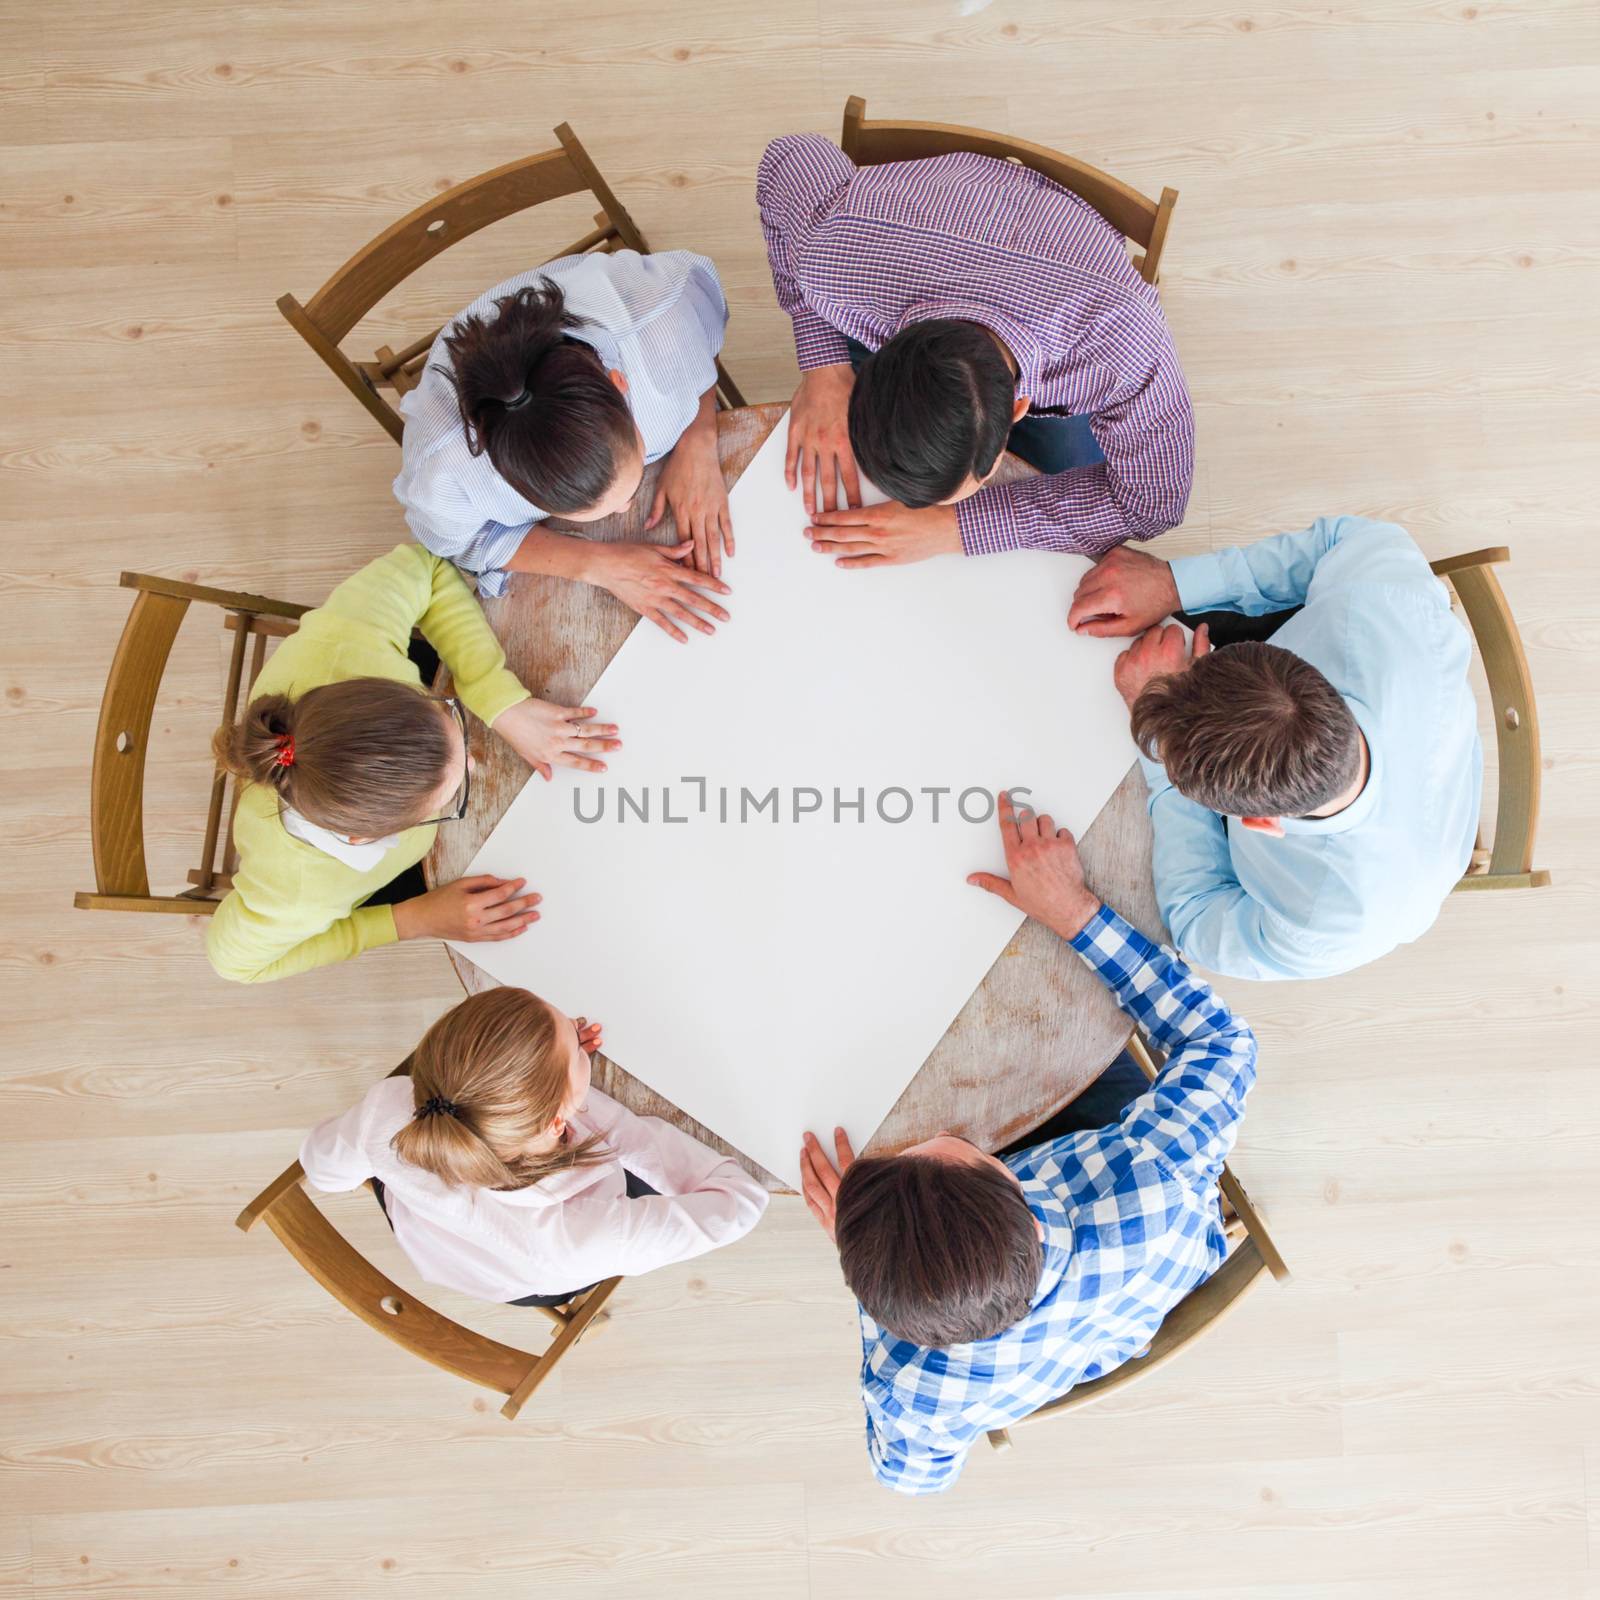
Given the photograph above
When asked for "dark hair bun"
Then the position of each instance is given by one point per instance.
(538, 403)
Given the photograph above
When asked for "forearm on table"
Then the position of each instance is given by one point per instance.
(554, 555)
(702, 430)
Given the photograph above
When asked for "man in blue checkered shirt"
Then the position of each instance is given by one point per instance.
(991, 1285)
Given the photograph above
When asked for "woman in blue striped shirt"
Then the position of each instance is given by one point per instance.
(548, 396)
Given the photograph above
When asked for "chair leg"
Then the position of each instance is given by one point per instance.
(577, 1323)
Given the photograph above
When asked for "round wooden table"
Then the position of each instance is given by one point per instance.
(1038, 1028)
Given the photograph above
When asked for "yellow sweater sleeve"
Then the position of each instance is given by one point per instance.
(245, 947)
(410, 587)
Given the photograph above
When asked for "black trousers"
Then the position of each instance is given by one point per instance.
(1233, 627)
(1101, 1104)
(637, 1189)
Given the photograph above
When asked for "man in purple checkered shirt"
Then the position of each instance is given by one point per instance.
(945, 307)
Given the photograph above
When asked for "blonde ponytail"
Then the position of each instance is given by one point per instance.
(487, 1080)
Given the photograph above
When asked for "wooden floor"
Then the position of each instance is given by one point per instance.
(1383, 277)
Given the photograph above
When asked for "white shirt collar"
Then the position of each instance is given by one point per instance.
(362, 857)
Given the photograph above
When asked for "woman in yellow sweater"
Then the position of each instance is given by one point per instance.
(347, 764)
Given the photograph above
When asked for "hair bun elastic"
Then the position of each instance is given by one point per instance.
(436, 1105)
(521, 400)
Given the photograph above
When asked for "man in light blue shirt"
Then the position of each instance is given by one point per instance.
(1314, 798)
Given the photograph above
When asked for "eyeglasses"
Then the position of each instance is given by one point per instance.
(464, 795)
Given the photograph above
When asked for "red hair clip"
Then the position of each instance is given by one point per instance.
(285, 755)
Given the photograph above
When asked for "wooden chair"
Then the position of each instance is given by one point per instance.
(1508, 863)
(116, 792)
(1142, 220)
(377, 268)
(360, 1287)
(1252, 1252)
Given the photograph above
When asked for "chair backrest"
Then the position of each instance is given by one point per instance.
(1252, 1254)
(360, 1287)
(122, 739)
(1509, 863)
(1196, 1314)
(379, 267)
(1142, 220)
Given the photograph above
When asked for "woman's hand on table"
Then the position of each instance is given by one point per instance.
(819, 454)
(653, 580)
(1046, 881)
(819, 1177)
(548, 736)
(469, 910)
(691, 488)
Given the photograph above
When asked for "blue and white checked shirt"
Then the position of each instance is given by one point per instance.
(1131, 1224)
(658, 319)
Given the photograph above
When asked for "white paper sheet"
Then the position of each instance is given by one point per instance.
(773, 976)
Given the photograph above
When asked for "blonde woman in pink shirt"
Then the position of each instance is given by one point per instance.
(506, 1176)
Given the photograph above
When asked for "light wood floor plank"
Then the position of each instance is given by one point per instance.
(1382, 276)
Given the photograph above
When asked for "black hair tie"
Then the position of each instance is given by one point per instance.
(521, 400)
(436, 1105)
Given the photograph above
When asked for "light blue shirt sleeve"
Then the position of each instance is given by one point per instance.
(1275, 574)
(1213, 922)
(696, 321)
(443, 520)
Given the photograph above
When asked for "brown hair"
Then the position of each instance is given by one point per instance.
(539, 403)
(487, 1080)
(368, 753)
(937, 1252)
(1250, 730)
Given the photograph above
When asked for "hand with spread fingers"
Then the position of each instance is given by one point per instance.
(819, 456)
(885, 535)
(470, 909)
(548, 736)
(657, 582)
(1123, 593)
(1157, 653)
(1046, 881)
(692, 489)
(819, 1177)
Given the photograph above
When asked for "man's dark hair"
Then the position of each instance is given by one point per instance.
(538, 402)
(1250, 730)
(937, 1252)
(930, 408)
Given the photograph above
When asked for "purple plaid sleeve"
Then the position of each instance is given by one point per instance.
(1128, 379)
(865, 252)
(796, 177)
